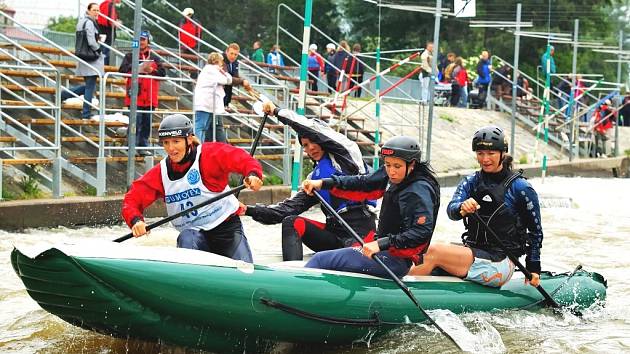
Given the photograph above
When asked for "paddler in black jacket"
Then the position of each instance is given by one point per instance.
(411, 199)
(333, 154)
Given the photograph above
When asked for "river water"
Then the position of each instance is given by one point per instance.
(586, 221)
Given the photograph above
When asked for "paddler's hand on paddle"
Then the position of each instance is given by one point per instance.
(253, 182)
(309, 185)
(139, 228)
(535, 280)
(369, 249)
(242, 209)
(469, 206)
(268, 108)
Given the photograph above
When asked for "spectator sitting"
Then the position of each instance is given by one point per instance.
(501, 81)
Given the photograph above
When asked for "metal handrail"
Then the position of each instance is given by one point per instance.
(201, 41)
(330, 40)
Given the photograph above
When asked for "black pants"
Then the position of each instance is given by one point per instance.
(314, 75)
(227, 239)
(110, 33)
(324, 236)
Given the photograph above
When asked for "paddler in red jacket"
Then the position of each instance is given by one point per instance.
(191, 174)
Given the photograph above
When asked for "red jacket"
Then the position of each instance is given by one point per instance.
(108, 9)
(187, 26)
(147, 88)
(462, 77)
(217, 161)
(604, 118)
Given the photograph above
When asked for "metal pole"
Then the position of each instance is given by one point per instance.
(297, 148)
(135, 57)
(278, 25)
(377, 109)
(618, 82)
(572, 135)
(515, 78)
(436, 51)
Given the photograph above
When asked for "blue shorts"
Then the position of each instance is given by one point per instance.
(489, 273)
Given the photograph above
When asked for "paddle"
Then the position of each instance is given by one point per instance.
(395, 278)
(184, 212)
(516, 262)
(252, 150)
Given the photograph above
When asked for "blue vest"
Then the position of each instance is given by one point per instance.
(324, 169)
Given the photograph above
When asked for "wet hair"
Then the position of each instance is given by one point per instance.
(215, 58)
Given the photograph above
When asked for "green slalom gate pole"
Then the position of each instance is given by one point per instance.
(542, 119)
(297, 148)
(377, 109)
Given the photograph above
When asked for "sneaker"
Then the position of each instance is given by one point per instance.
(144, 153)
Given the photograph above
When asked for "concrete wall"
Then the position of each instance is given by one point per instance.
(75, 211)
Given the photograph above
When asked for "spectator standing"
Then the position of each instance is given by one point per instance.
(275, 58)
(483, 78)
(329, 68)
(343, 52)
(547, 71)
(107, 24)
(88, 23)
(148, 88)
(230, 58)
(257, 54)
(450, 66)
(315, 65)
(358, 70)
(426, 61)
(624, 112)
(603, 122)
(461, 76)
(189, 30)
(208, 100)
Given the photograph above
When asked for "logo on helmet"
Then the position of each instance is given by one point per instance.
(387, 152)
(166, 134)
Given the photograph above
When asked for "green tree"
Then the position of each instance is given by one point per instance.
(66, 24)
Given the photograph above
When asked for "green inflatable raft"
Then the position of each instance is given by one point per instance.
(200, 300)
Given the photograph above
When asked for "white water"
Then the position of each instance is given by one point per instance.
(586, 222)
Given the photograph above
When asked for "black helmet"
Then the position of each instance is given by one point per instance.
(403, 147)
(490, 138)
(175, 126)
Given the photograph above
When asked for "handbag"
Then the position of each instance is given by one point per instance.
(82, 47)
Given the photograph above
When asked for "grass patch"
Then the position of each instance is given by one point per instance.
(272, 180)
(89, 190)
(447, 117)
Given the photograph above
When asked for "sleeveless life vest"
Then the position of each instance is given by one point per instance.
(391, 220)
(325, 169)
(188, 191)
(495, 214)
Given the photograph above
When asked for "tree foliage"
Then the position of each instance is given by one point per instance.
(66, 24)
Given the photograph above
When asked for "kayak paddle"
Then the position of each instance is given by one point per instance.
(395, 278)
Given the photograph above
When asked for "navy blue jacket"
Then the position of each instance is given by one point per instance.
(521, 200)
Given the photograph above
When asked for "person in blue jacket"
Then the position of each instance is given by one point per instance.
(411, 199)
(333, 154)
(507, 203)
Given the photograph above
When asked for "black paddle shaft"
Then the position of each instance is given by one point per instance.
(184, 212)
(516, 262)
(394, 277)
(252, 150)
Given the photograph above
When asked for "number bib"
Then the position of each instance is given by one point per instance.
(188, 191)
